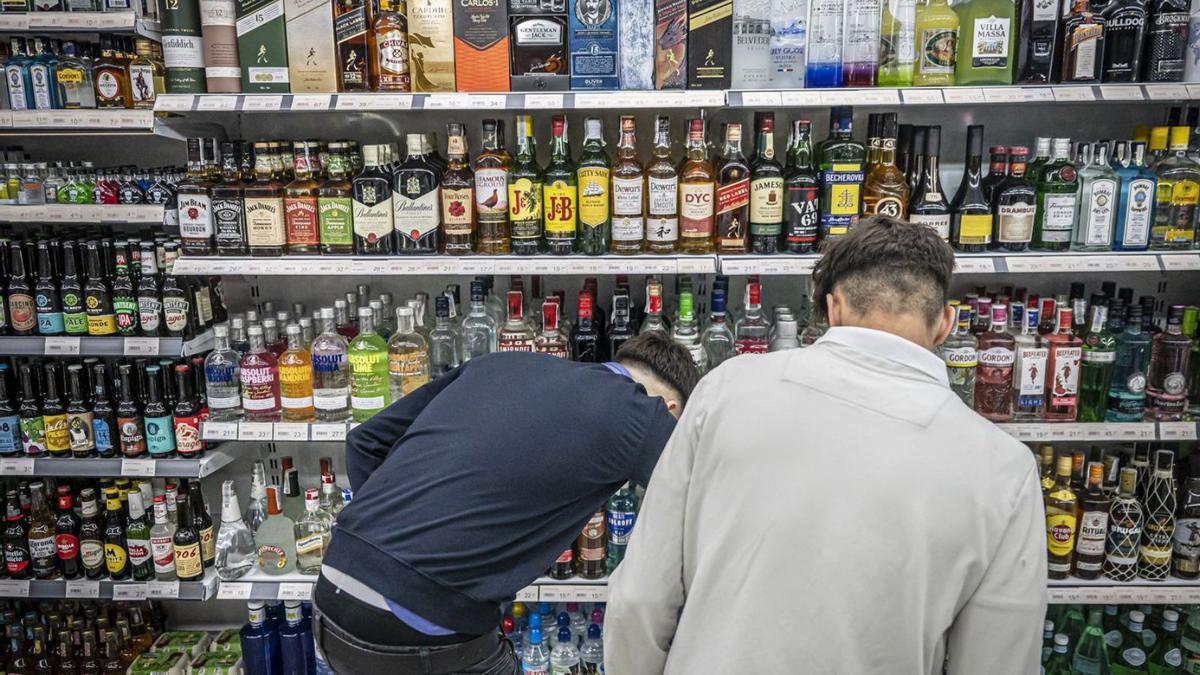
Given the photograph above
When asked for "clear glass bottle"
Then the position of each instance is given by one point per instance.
(717, 340)
(1127, 387)
(960, 352)
(550, 339)
(593, 178)
(275, 539)
(1166, 383)
(313, 532)
(235, 542)
(407, 356)
(256, 509)
(654, 320)
(1136, 205)
(1096, 203)
(752, 331)
(478, 326)
(368, 356)
(444, 355)
(330, 372)
(1175, 196)
(222, 379)
(162, 548)
(686, 330)
(515, 335)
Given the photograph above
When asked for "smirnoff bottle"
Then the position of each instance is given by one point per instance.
(994, 375)
(1166, 385)
(1154, 555)
(1124, 530)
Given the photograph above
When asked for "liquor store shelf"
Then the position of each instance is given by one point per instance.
(1038, 432)
(66, 345)
(623, 100)
(77, 121)
(781, 264)
(212, 461)
(140, 214)
(79, 22)
(260, 586)
(86, 589)
(1107, 591)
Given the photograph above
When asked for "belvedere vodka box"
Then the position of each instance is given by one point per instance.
(710, 33)
(538, 57)
(635, 26)
(593, 43)
(262, 46)
(481, 45)
(312, 59)
(670, 44)
(751, 49)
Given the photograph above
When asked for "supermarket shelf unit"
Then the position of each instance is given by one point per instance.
(100, 467)
(68, 345)
(80, 22)
(106, 589)
(67, 214)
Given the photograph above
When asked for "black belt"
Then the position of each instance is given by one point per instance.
(338, 646)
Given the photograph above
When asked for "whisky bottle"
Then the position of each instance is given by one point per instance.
(1061, 522)
(732, 194)
(195, 205)
(389, 53)
(229, 217)
(970, 212)
(301, 219)
(885, 189)
(111, 78)
(265, 231)
(1057, 185)
(335, 210)
(352, 20)
(593, 175)
(697, 185)
(372, 205)
(415, 201)
(840, 161)
(803, 192)
(458, 194)
(1082, 45)
(766, 189)
(928, 205)
(559, 194)
(628, 193)
(525, 185)
(491, 191)
(662, 193)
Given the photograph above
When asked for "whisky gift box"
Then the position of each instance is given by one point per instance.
(593, 44)
(218, 26)
(670, 44)
(481, 45)
(431, 45)
(710, 32)
(538, 55)
(311, 66)
(262, 46)
(183, 49)
(635, 26)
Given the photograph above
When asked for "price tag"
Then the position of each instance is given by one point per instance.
(141, 346)
(16, 466)
(1166, 92)
(14, 21)
(14, 588)
(173, 102)
(1019, 264)
(587, 101)
(390, 102)
(597, 593)
(293, 591)
(879, 96)
(285, 431)
(704, 264)
(1121, 92)
(62, 346)
(801, 98)
(83, 589)
(229, 590)
(837, 97)
(6, 119)
(703, 99)
(1036, 95)
(1180, 262)
(1193, 90)
(215, 102)
(487, 101)
(138, 467)
(220, 431)
(329, 432)
(960, 95)
(527, 594)
(973, 265)
(310, 101)
(1177, 431)
(162, 589)
(447, 101)
(255, 431)
(129, 591)
(353, 102)
(133, 119)
(543, 101)
(762, 99)
(1001, 95)
(261, 103)
(1130, 263)
(920, 96)
(476, 265)
(1119, 432)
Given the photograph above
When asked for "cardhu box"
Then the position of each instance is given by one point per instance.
(431, 45)
(593, 44)
(670, 44)
(311, 66)
(710, 33)
(538, 54)
(262, 46)
(481, 45)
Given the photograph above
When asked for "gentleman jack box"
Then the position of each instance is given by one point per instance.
(262, 46)
(481, 45)
(670, 44)
(310, 40)
(593, 44)
(710, 34)
(538, 31)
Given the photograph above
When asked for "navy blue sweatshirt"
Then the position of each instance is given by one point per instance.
(467, 489)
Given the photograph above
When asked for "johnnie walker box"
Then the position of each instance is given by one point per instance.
(312, 64)
(593, 44)
(262, 46)
(710, 35)
(538, 33)
(481, 45)
(670, 44)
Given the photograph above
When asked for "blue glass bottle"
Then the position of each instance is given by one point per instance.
(1127, 390)
(16, 76)
(1135, 206)
(296, 642)
(260, 644)
(43, 76)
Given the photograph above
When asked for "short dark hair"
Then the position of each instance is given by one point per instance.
(666, 359)
(886, 265)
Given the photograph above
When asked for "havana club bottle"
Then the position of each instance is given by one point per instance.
(1061, 521)
(766, 189)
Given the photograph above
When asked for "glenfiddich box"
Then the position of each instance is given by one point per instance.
(538, 56)
(710, 33)
(311, 63)
(670, 44)
(262, 46)
(431, 45)
(481, 45)
(593, 44)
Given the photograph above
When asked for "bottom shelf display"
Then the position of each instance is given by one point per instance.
(1120, 638)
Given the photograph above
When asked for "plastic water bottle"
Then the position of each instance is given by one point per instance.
(598, 615)
(591, 654)
(536, 658)
(579, 621)
(564, 660)
(564, 621)
(546, 610)
(296, 642)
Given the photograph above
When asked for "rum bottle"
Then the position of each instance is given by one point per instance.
(697, 185)
(885, 189)
(301, 219)
(560, 196)
(994, 374)
(628, 193)
(1166, 382)
(594, 178)
(662, 193)
(803, 192)
(458, 194)
(1093, 525)
(525, 185)
(766, 189)
(1185, 553)
(415, 201)
(1158, 502)
(1061, 520)
(491, 191)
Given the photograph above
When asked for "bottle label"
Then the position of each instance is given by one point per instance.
(842, 198)
(160, 438)
(336, 221)
(264, 222)
(766, 205)
(302, 221)
(975, 229)
(458, 211)
(696, 203)
(803, 214)
(115, 558)
(414, 213)
(1085, 44)
(57, 438)
(149, 313)
(591, 540)
(175, 313)
(333, 398)
(108, 85)
(208, 544)
(1065, 378)
(409, 369)
(886, 206)
(91, 552)
(1187, 545)
(21, 312)
(560, 209)
(989, 47)
(1060, 533)
(627, 228)
(1016, 222)
(67, 546)
(49, 321)
(938, 48)
(997, 357)
(139, 551)
(514, 345)
(272, 557)
(1093, 527)
(259, 388)
(593, 195)
(960, 357)
(133, 438)
(33, 436)
(188, 564)
(374, 222)
(938, 222)
(313, 543)
(1058, 217)
(43, 548)
(1138, 200)
(103, 435)
(187, 435)
(126, 309)
(141, 80)
(491, 195)
(662, 196)
(525, 208)
(393, 59)
(16, 558)
(1099, 213)
(1181, 198)
(195, 216)
(18, 96)
(627, 209)
(80, 432)
(162, 549)
(10, 435)
(620, 526)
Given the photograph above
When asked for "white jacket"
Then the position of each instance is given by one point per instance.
(833, 510)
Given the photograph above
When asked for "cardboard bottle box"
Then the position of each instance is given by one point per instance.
(481, 45)
(710, 34)
(311, 67)
(594, 46)
(262, 46)
(538, 36)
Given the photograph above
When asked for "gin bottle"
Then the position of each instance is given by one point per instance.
(235, 543)
(994, 374)
(1062, 370)
(222, 379)
(1154, 554)
(330, 372)
(1136, 198)
(313, 531)
(1175, 207)
(443, 339)
(368, 356)
(960, 353)
(407, 356)
(1166, 384)
(1057, 185)
(1096, 203)
(1098, 361)
(478, 326)
(1127, 387)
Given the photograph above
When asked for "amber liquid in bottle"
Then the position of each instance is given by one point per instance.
(265, 229)
(458, 194)
(662, 193)
(696, 187)
(389, 48)
(628, 194)
(491, 191)
(300, 202)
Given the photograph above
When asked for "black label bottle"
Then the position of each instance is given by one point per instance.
(97, 298)
(81, 432)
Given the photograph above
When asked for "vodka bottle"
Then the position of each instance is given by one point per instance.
(717, 340)
(752, 330)
(235, 543)
(222, 378)
(825, 21)
(686, 332)
(788, 43)
(331, 374)
(860, 43)
(443, 339)
(478, 326)
(256, 510)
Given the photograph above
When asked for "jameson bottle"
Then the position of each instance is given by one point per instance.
(802, 192)
(560, 197)
(525, 184)
(662, 193)
(593, 176)
(766, 189)
(458, 195)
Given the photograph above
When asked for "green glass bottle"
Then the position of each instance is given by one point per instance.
(1057, 187)
(525, 193)
(593, 173)
(368, 356)
(1059, 662)
(560, 197)
(840, 165)
(985, 42)
(1167, 657)
(1130, 658)
(1091, 654)
(1099, 356)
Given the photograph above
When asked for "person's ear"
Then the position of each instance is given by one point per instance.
(945, 324)
(673, 407)
(833, 309)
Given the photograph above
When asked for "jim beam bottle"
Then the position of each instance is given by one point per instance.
(1154, 556)
(194, 204)
(1061, 520)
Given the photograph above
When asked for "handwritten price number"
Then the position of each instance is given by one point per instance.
(234, 591)
(83, 589)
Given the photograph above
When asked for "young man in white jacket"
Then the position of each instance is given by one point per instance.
(837, 509)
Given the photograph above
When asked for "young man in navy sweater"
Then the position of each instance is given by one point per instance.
(466, 490)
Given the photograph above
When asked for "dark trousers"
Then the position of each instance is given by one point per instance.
(355, 637)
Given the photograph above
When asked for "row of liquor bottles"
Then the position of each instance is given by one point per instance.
(345, 368)
(643, 44)
(100, 408)
(125, 287)
(1086, 359)
(1120, 639)
(35, 183)
(78, 638)
(117, 72)
(277, 638)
